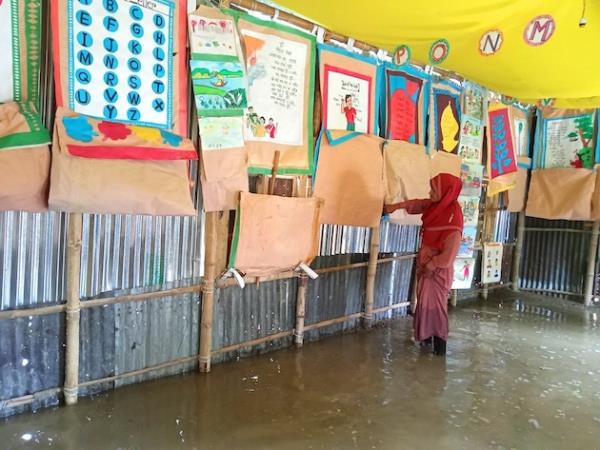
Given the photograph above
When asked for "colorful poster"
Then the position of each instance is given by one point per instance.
(568, 142)
(121, 60)
(219, 87)
(348, 106)
(471, 175)
(470, 209)
(276, 88)
(464, 269)
(218, 133)
(471, 138)
(502, 159)
(404, 98)
(212, 36)
(467, 243)
(447, 121)
(521, 133)
(473, 101)
(491, 268)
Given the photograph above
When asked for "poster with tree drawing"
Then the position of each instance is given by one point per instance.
(569, 142)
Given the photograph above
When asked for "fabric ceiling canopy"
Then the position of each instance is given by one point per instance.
(534, 49)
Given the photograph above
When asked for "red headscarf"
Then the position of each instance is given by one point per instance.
(444, 216)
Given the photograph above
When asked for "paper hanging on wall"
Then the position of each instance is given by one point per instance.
(473, 101)
(521, 132)
(501, 158)
(467, 243)
(219, 87)
(569, 141)
(406, 100)
(471, 139)
(445, 118)
(122, 61)
(219, 133)
(212, 36)
(491, 268)
(406, 169)
(464, 269)
(471, 175)
(470, 210)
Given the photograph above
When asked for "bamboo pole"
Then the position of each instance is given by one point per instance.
(252, 343)
(371, 273)
(454, 298)
(73, 308)
(591, 265)
(208, 292)
(300, 310)
(516, 262)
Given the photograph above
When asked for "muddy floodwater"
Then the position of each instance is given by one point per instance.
(521, 373)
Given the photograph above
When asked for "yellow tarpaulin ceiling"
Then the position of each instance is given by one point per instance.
(542, 51)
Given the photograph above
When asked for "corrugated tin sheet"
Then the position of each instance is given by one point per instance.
(393, 285)
(555, 260)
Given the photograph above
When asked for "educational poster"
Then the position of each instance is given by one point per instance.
(467, 243)
(491, 268)
(501, 156)
(471, 138)
(568, 142)
(470, 210)
(219, 87)
(446, 109)
(471, 175)
(348, 105)
(521, 133)
(276, 88)
(212, 36)
(464, 269)
(405, 110)
(473, 104)
(120, 57)
(219, 133)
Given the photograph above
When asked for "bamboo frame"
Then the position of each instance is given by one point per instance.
(73, 310)
(300, 310)
(208, 293)
(371, 274)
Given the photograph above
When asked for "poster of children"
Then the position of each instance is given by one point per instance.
(491, 269)
(470, 209)
(471, 138)
(276, 88)
(464, 269)
(347, 100)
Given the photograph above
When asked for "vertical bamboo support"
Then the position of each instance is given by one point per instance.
(516, 262)
(454, 298)
(371, 272)
(208, 292)
(300, 310)
(591, 265)
(73, 308)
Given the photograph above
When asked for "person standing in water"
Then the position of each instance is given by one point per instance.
(441, 234)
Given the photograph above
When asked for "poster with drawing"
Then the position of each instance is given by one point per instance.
(464, 269)
(501, 158)
(470, 209)
(219, 133)
(521, 134)
(471, 138)
(212, 36)
(473, 101)
(467, 243)
(447, 121)
(568, 142)
(348, 105)
(219, 87)
(276, 88)
(491, 268)
(471, 174)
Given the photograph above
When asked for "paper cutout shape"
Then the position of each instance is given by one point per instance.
(490, 43)
(445, 118)
(401, 55)
(464, 269)
(439, 51)
(539, 30)
(491, 268)
(274, 234)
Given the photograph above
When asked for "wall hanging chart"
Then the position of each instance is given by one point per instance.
(464, 269)
(472, 122)
(467, 243)
(491, 268)
(280, 64)
(121, 88)
(501, 161)
(444, 117)
(406, 101)
(219, 86)
(471, 175)
(348, 90)
(565, 138)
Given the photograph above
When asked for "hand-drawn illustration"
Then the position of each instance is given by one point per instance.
(521, 136)
(403, 107)
(79, 128)
(472, 179)
(347, 100)
(467, 243)
(212, 36)
(464, 269)
(471, 138)
(491, 268)
(217, 133)
(502, 159)
(470, 209)
(569, 142)
(218, 86)
(447, 121)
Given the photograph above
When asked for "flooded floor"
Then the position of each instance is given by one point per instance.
(521, 373)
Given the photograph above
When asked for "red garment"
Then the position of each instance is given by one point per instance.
(445, 216)
(350, 114)
(271, 130)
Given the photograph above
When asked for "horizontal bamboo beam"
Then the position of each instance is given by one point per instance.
(550, 291)
(252, 343)
(335, 321)
(564, 230)
(391, 307)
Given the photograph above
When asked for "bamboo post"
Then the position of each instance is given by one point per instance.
(273, 179)
(300, 310)
(516, 262)
(371, 272)
(454, 298)
(591, 265)
(73, 308)
(208, 292)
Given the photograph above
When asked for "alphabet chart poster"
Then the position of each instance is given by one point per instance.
(122, 60)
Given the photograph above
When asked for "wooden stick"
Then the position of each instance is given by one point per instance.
(73, 308)
(208, 292)
(274, 172)
(300, 310)
(252, 343)
(371, 273)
